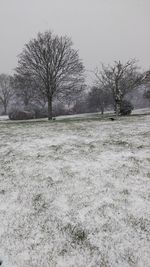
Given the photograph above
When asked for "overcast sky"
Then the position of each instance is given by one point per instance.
(102, 30)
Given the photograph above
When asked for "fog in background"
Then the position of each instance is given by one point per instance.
(102, 30)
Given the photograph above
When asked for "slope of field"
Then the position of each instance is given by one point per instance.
(75, 194)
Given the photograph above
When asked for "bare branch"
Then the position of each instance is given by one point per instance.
(53, 62)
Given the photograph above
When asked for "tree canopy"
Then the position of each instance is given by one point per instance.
(120, 79)
(51, 60)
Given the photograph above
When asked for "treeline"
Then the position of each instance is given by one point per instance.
(49, 80)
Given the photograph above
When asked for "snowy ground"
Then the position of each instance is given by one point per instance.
(84, 115)
(75, 193)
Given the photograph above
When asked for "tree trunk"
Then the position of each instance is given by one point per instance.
(102, 110)
(50, 108)
(26, 102)
(117, 108)
(5, 109)
(101, 107)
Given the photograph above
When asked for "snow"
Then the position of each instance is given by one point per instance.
(75, 193)
(4, 118)
(143, 111)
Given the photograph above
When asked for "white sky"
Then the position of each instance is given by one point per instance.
(102, 30)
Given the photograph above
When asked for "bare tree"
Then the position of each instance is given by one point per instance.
(28, 90)
(146, 78)
(147, 94)
(146, 82)
(24, 88)
(120, 79)
(52, 62)
(6, 91)
(99, 99)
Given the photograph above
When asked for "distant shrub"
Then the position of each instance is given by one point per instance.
(21, 115)
(126, 108)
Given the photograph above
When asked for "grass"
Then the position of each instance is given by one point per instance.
(75, 193)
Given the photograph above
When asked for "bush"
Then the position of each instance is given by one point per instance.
(126, 108)
(21, 115)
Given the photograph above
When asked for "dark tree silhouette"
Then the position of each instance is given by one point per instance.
(52, 62)
(99, 99)
(24, 88)
(146, 82)
(6, 91)
(120, 79)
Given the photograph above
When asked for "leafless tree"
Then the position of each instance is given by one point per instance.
(52, 62)
(146, 82)
(24, 88)
(28, 90)
(6, 91)
(147, 94)
(146, 78)
(99, 99)
(120, 79)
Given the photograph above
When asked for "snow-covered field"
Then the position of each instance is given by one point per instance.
(75, 193)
